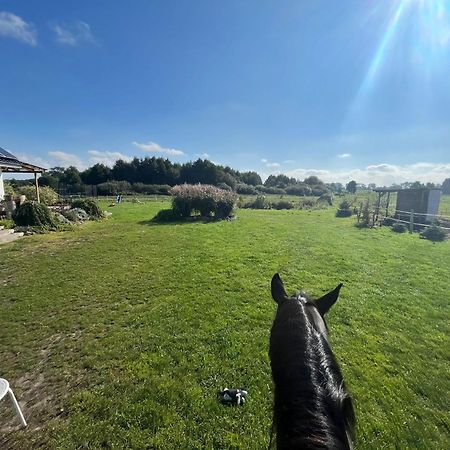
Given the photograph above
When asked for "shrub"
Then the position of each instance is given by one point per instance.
(307, 204)
(260, 202)
(152, 189)
(271, 190)
(9, 190)
(399, 227)
(47, 195)
(89, 206)
(224, 186)
(343, 213)
(434, 233)
(34, 214)
(298, 189)
(364, 218)
(326, 198)
(282, 204)
(344, 209)
(246, 189)
(204, 198)
(113, 187)
(389, 221)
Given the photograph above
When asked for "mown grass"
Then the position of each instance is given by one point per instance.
(119, 334)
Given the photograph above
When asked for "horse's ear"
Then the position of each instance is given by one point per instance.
(323, 304)
(278, 291)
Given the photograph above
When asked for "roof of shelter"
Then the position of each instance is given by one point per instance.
(9, 163)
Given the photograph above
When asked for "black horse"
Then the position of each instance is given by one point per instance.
(312, 407)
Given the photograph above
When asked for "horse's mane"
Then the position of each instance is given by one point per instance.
(312, 408)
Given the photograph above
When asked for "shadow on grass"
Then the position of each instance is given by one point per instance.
(186, 221)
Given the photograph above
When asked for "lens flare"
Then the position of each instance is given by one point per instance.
(424, 43)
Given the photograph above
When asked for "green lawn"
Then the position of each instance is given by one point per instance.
(119, 334)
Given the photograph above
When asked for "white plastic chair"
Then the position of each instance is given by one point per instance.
(5, 389)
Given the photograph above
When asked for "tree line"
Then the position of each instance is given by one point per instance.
(153, 175)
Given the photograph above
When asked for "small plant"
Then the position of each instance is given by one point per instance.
(307, 204)
(89, 206)
(260, 202)
(326, 198)
(364, 218)
(282, 204)
(399, 227)
(434, 233)
(389, 221)
(35, 215)
(344, 209)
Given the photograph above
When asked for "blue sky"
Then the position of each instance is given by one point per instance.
(342, 89)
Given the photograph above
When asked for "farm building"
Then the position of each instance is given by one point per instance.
(422, 202)
(10, 164)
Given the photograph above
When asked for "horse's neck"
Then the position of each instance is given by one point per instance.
(303, 419)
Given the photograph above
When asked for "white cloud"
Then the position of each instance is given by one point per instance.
(203, 155)
(106, 157)
(15, 27)
(381, 174)
(264, 160)
(73, 34)
(344, 155)
(64, 159)
(153, 147)
(273, 165)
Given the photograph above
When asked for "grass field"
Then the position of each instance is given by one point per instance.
(119, 334)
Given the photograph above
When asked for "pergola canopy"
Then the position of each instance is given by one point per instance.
(10, 164)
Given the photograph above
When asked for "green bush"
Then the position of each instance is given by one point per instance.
(246, 189)
(344, 209)
(34, 214)
(47, 195)
(307, 204)
(434, 233)
(343, 213)
(260, 202)
(399, 227)
(204, 198)
(326, 198)
(90, 206)
(282, 204)
(9, 190)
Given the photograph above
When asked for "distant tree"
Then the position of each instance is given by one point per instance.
(280, 181)
(416, 185)
(446, 186)
(71, 176)
(50, 181)
(251, 178)
(351, 187)
(98, 173)
(312, 180)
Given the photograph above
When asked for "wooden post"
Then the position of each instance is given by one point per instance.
(387, 204)
(411, 221)
(36, 184)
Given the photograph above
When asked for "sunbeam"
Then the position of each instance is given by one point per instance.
(419, 31)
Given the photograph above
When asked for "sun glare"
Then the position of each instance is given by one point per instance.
(420, 31)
